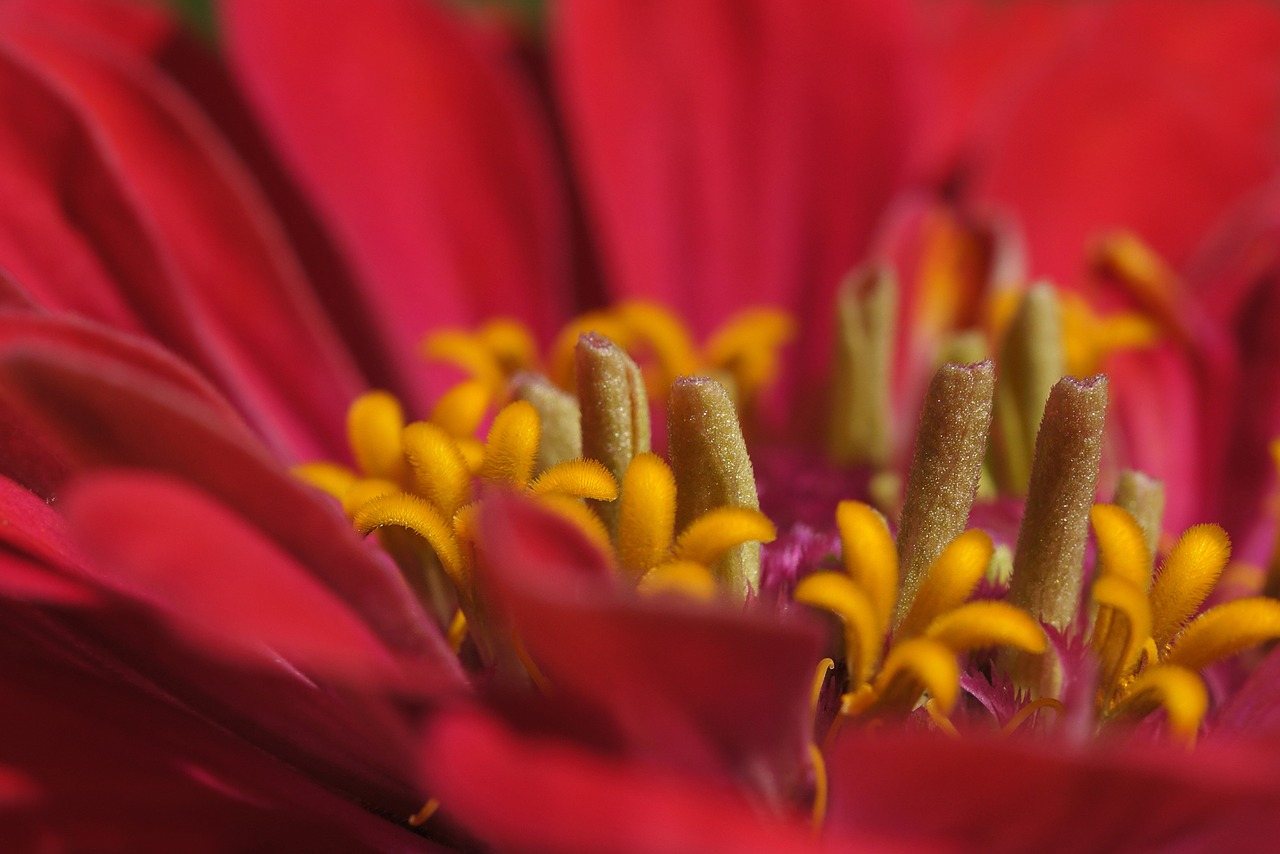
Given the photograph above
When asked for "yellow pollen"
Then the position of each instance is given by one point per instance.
(460, 410)
(1186, 578)
(440, 472)
(950, 580)
(983, 624)
(423, 815)
(1223, 631)
(714, 533)
(374, 422)
(647, 513)
(870, 556)
(417, 515)
(819, 786)
(686, 578)
(577, 479)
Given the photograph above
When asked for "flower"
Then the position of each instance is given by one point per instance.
(556, 639)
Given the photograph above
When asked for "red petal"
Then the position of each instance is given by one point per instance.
(423, 154)
(276, 351)
(45, 558)
(737, 153)
(216, 577)
(531, 795)
(699, 687)
(110, 413)
(136, 27)
(976, 794)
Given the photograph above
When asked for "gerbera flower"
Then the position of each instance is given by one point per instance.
(568, 635)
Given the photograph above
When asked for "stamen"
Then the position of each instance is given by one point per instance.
(841, 595)
(330, 478)
(1121, 630)
(1180, 692)
(615, 409)
(510, 344)
(460, 410)
(374, 422)
(466, 352)
(364, 490)
(1031, 361)
(916, 667)
(747, 348)
(1143, 497)
(646, 514)
(1223, 631)
(943, 480)
(985, 624)
(1022, 715)
(512, 445)
(581, 517)
(712, 469)
(819, 787)
(1122, 549)
(577, 479)
(1049, 556)
(656, 328)
(1186, 578)
(440, 472)
(562, 360)
(940, 720)
(417, 515)
(423, 815)
(866, 322)
(950, 581)
(819, 680)
(561, 419)
(717, 531)
(457, 630)
(683, 577)
(870, 556)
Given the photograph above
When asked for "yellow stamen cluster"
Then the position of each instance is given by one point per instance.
(743, 353)
(1149, 642)
(939, 624)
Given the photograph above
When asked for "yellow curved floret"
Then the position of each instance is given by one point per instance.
(984, 624)
(686, 578)
(440, 472)
(1180, 692)
(914, 668)
(1186, 578)
(1223, 631)
(581, 517)
(1122, 628)
(713, 533)
(1122, 548)
(417, 515)
(654, 327)
(870, 556)
(747, 347)
(363, 490)
(510, 343)
(560, 358)
(468, 353)
(460, 410)
(949, 581)
(512, 446)
(577, 479)
(374, 422)
(329, 478)
(647, 513)
(842, 596)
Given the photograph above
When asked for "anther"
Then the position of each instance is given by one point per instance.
(712, 470)
(943, 479)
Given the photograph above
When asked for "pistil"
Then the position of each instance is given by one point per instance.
(614, 407)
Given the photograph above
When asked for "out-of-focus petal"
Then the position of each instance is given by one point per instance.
(737, 153)
(423, 153)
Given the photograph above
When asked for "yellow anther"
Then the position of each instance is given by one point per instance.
(423, 815)
(510, 343)
(330, 478)
(440, 472)
(714, 533)
(1134, 262)
(1180, 692)
(940, 720)
(1122, 547)
(683, 577)
(1088, 339)
(950, 581)
(577, 479)
(457, 630)
(647, 513)
(417, 515)
(460, 410)
(747, 347)
(984, 624)
(819, 787)
(468, 353)
(914, 668)
(665, 336)
(561, 359)
(1186, 578)
(581, 517)
(1122, 628)
(870, 556)
(364, 490)
(819, 679)
(374, 422)
(512, 446)
(1025, 713)
(473, 452)
(841, 595)
(1225, 630)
